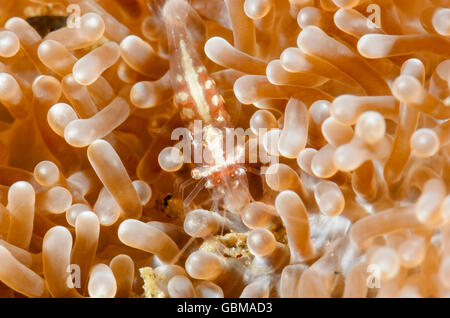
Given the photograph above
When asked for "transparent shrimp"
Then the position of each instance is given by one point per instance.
(198, 101)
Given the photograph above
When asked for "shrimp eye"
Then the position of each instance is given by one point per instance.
(236, 173)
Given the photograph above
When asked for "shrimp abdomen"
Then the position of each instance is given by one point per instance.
(195, 92)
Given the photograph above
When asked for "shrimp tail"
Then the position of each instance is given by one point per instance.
(195, 93)
(155, 6)
(182, 21)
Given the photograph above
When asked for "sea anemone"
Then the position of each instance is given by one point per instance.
(97, 199)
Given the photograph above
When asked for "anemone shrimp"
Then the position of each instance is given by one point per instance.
(199, 103)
